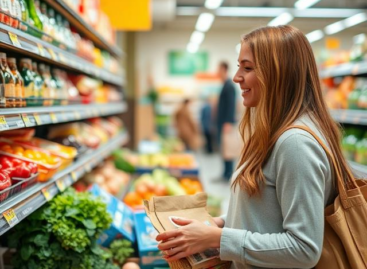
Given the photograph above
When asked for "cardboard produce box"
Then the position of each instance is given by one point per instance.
(150, 255)
(161, 210)
(123, 218)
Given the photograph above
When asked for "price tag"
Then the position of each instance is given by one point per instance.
(10, 217)
(46, 194)
(73, 176)
(41, 50)
(37, 118)
(53, 118)
(20, 123)
(60, 185)
(26, 120)
(62, 58)
(77, 115)
(53, 54)
(3, 124)
(14, 39)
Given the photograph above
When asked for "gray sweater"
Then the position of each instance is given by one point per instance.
(282, 228)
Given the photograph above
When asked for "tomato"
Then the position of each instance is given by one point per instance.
(33, 167)
(5, 181)
(6, 163)
(21, 171)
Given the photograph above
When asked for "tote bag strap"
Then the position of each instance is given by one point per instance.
(338, 172)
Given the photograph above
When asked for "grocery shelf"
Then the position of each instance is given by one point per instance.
(29, 45)
(33, 198)
(77, 21)
(15, 118)
(349, 116)
(347, 69)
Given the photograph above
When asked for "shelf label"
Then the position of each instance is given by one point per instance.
(3, 123)
(10, 217)
(46, 194)
(53, 118)
(73, 176)
(53, 54)
(41, 50)
(14, 39)
(62, 58)
(26, 120)
(60, 185)
(77, 115)
(37, 118)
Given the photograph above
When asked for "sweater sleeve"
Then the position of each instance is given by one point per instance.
(301, 171)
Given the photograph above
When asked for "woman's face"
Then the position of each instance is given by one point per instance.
(246, 77)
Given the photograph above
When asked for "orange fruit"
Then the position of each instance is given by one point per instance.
(133, 199)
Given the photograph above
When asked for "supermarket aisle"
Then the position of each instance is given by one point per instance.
(210, 169)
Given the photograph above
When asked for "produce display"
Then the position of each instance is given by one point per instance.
(354, 145)
(159, 183)
(62, 234)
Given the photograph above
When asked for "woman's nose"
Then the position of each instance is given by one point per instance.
(237, 79)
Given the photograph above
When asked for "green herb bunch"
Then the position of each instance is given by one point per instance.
(121, 249)
(62, 235)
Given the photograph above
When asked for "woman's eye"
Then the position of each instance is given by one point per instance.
(248, 68)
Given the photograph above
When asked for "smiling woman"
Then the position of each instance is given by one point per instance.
(284, 180)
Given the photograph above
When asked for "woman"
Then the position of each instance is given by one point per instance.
(284, 179)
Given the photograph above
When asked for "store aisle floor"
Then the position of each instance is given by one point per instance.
(210, 167)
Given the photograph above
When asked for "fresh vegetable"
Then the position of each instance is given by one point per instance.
(62, 235)
(121, 249)
(5, 181)
(6, 163)
(21, 171)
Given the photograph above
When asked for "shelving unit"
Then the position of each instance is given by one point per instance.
(33, 198)
(349, 116)
(347, 69)
(359, 170)
(15, 118)
(14, 41)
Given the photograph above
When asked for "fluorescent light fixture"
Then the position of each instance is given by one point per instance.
(192, 47)
(358, 39)
(348, 22)
(204, 22)
(213, 4)
(314, 36)
(282, 19)
(197, 37)
(303, 4)
(262, 12)
(334, 27)
(238, 48)
(356, 19)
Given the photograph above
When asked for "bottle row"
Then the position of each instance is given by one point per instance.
(53, 27)
(37, 84)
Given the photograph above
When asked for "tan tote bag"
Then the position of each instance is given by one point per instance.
(345, 235)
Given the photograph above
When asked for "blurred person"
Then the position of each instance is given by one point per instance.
(290, 167)
(207, 124)
(187, 129)
(226, 114)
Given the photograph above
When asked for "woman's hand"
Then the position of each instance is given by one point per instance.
(193, 237)
(219, 221)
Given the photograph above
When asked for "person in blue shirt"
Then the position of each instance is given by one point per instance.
(207, 125)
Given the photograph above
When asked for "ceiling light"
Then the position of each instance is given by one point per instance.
(356, 19)
(359, 39)
(282, 19)
(238, 48)
(334, 27)
(197, 37)
(192, 47)
(314, 36)
(213, 4)
(271, 12)
(303, 4)
(204, 22)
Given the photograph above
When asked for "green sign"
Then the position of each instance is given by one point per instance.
(184, 63)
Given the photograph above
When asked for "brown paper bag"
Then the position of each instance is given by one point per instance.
(162, 209)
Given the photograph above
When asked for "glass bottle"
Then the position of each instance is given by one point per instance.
(15, 12)
(19, 84)
(39, 84)
(24, 10)
(29, 90)
(70, 39)
(45, 21)
(9, 90)
(50, 84)
(52, 22)
(5, 11)
(33, 15)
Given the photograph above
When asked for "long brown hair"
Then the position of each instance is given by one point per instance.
(289, 87)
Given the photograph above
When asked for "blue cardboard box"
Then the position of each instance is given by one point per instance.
(150, 255)
(122, 215)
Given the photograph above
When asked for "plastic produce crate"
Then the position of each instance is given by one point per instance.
(20, 185)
